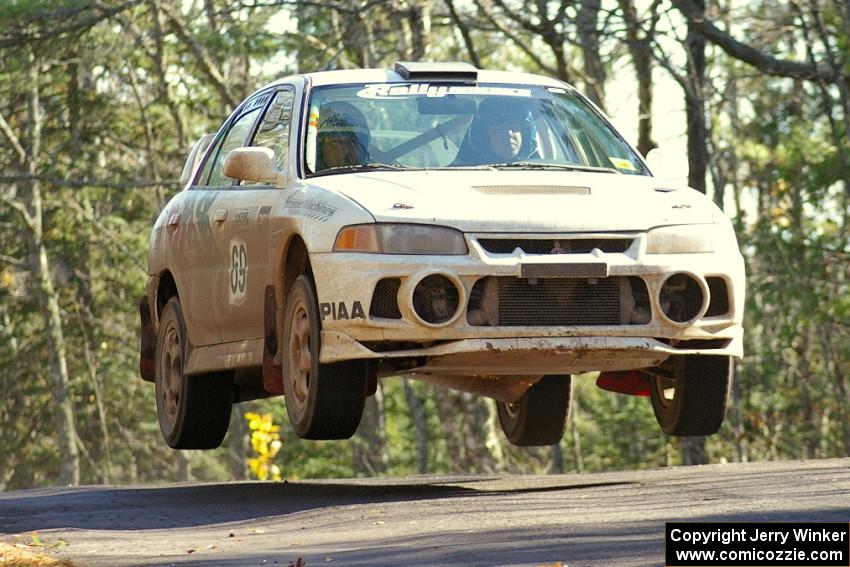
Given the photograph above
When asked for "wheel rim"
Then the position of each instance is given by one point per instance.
(300, 360)
(171, 372)
(511, 410)
(666, 390)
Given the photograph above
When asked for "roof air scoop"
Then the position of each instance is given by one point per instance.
(441, 71)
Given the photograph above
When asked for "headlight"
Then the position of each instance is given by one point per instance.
(690, 239)
(400, 239)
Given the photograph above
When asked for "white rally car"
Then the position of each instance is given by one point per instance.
(479, 230)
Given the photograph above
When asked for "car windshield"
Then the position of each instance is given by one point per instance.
(397, 126)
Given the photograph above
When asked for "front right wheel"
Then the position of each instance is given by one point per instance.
(324, 401)
(691, 400)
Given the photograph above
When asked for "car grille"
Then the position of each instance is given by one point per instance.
(554, 245)
(385, 299)
(509, 301)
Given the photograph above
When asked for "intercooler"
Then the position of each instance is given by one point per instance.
(511, 301)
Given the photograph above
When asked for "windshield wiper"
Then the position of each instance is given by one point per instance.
(543, 165)
(372, 166)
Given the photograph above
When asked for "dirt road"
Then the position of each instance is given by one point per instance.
(595, 519)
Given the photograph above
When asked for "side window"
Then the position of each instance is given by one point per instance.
(273, 132)
(235, 138)
(208, 165)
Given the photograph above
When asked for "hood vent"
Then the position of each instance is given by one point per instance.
(532, 190)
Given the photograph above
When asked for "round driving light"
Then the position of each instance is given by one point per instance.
(681, 298)
(436, 299)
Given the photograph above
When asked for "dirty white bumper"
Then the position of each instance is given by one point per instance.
(346, 282)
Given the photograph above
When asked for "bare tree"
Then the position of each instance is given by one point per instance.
(416, 408)
(639, 41)
(30, 207)
(589, 33)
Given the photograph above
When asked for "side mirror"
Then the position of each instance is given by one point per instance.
(196, 154)
(655, 159)
(254, 164)
(668, 166)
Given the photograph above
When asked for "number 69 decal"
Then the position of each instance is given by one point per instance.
(238, 271)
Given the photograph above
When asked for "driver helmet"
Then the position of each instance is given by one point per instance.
(506, 112)
(343, 136)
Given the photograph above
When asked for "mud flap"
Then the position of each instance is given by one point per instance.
(272, 373)
(629, 382)
(147, 342)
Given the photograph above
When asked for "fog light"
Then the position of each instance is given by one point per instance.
(681, 298)
(436, 299)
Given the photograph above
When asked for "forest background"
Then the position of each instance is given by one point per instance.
(100, 100)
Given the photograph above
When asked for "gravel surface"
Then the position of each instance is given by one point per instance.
(579, 519)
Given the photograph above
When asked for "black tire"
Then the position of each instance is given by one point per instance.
(324, 401)
(193, 411)
(540, 415)
(693, 400)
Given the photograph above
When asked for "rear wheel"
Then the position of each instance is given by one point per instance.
(193, 411)
(324, 401)
(540, 415)
(692, 399)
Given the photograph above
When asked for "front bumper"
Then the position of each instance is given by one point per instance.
(523, 356)
(457, 346)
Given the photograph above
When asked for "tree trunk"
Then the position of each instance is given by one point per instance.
(557, 465)
(588, 35)
(90, 356)
(65, 424)
(562, 68)
(160, 66)
(9, 382)
(369, 449)
(464, 32)
(184, 466)
(365, 41)
(495, 441)
(692, 450)
(404, 35)
(643, 69)
(695, 107)
(464, 418)
(640, 50)
(420, 27)
(420, 425)
(239, 443)
(449, 420)
(575, 438)
(475, 432)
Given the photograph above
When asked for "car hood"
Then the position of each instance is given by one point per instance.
(526, 201)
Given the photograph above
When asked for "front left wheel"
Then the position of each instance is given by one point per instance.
(324, 401)
(691, 398)
(193, 411)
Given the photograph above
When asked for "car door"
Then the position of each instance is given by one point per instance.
(241, 217)
(203, 282)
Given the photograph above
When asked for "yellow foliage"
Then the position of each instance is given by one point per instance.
(21, 555)
(265, 442)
